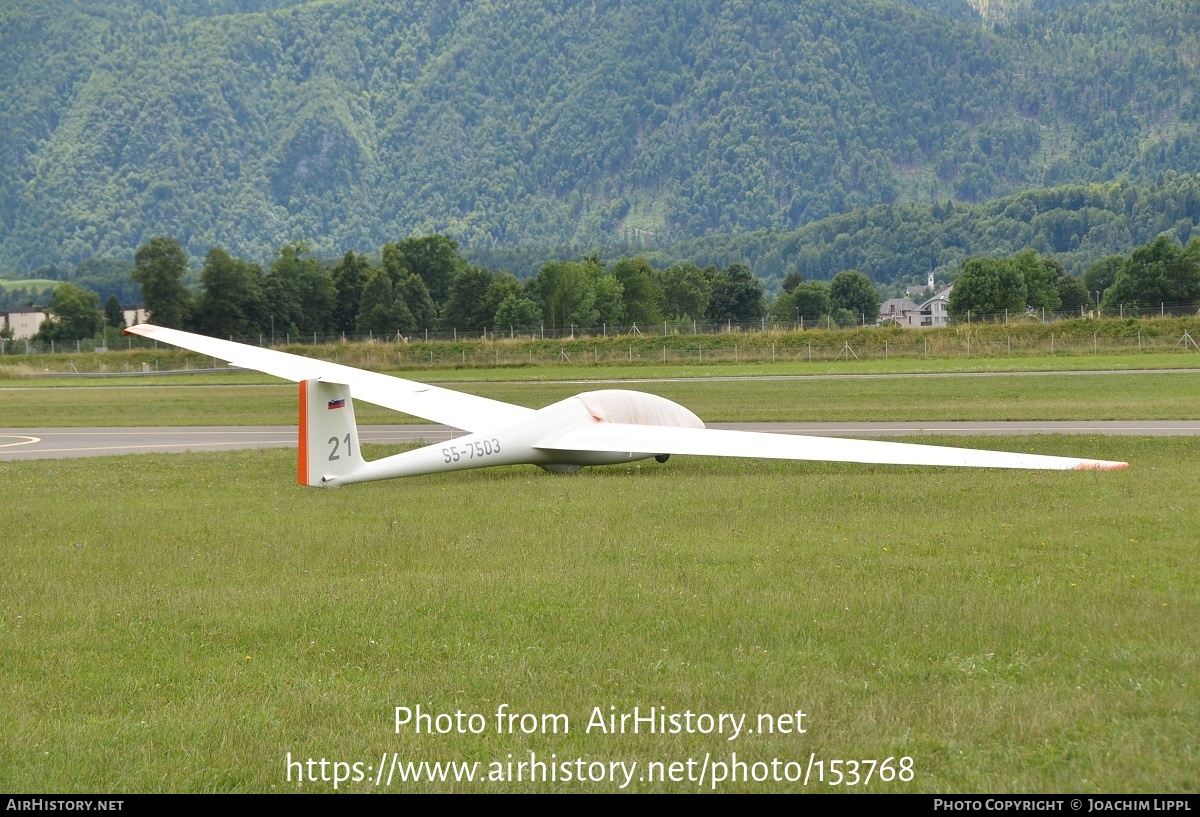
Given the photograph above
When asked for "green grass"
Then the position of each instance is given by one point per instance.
(1132, 396)
(31, 284)
(181, 623)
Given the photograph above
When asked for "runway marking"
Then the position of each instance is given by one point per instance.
(161, 446)
(22, 439)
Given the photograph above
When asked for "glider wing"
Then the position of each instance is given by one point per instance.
(465, 411)
(644, 439)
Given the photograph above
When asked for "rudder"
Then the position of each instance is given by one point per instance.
(328, 433)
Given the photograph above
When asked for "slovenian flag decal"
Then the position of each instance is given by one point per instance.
(334, 404)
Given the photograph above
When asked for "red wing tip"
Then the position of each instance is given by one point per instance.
(1099, 465)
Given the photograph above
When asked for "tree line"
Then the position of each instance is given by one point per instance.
(1161, 272)
(424, 283)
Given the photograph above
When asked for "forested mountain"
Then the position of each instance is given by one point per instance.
(1077, 224)
(247, 124)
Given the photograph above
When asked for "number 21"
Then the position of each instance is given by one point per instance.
(333, 454)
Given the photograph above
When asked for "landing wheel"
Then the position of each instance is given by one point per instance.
(661, 457)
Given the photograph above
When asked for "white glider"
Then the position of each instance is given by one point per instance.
(592, 428)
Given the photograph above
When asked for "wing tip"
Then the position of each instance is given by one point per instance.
(1100, 465)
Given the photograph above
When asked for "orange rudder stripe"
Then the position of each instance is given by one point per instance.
(302, 468)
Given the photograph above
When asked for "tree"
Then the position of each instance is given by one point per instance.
(106, 276)
(852, 290)
(298, 292)
(231, 298)
(434, 258)
(812, 299)
(159, 267)
(988, 286)
(381, 311)
(640, 290)
(412, 292)
(737, 295)
(517, 312)
(566, 293)
(610, 302)
(503, 285)
(686, 290)
(1101, 275)
(1157, 273)
(790, 281)
(1040, 275)
(349, 277)
(466, 307)
(74, 314)
(114, 316)
(1073, 293)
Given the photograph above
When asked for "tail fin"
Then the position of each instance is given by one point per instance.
(328, 433)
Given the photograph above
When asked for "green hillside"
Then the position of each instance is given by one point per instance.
(249, 124)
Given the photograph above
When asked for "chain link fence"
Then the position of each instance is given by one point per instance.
(1029, 334)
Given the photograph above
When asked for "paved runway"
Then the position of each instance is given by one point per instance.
(52, 443)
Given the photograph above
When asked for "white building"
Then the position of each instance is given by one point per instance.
(933, 312)
(24, 323)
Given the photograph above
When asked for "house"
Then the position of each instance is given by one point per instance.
(897, 310)
(934, 311)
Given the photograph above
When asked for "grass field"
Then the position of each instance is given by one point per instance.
(1126, 396)
(182, 623)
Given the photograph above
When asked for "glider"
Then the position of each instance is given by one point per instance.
(593, 428)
